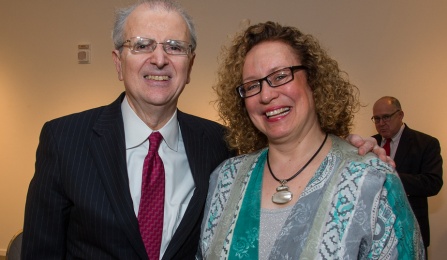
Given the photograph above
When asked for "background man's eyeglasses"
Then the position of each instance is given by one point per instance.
(384, 118)
(146, 45)
(274, 79)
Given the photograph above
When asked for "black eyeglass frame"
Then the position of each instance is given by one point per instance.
(153, 46)
(385, 118)
(240, 89)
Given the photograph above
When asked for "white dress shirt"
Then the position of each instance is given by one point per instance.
(179, 183)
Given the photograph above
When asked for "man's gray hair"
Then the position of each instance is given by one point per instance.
(121, 16)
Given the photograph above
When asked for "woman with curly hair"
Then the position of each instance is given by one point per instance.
(299, 191)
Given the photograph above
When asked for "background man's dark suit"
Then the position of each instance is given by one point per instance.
(81, 171)
(419, 164)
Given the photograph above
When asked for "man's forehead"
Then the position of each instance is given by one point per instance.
(147, 22)
(382, 109)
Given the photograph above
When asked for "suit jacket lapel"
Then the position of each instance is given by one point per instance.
(196, 146)
(404, 146)
(109, 153)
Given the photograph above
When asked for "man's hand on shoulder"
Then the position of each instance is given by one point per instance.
(369, 144)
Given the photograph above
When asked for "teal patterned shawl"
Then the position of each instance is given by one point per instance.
(354, 207)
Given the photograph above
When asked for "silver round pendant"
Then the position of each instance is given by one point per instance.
(282, 195)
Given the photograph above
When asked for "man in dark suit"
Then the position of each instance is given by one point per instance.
(417, 157)
(83, 201)
(84, 198)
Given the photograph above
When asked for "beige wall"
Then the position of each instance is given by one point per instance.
(387, 47)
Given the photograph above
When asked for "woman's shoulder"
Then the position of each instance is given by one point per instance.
(349, 154)
(237, 161)
(229, 168)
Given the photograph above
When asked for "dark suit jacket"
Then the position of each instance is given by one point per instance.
(419, 164)
(79, 204)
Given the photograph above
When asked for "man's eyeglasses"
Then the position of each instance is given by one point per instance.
(146, 45)
(275, 79)
(384, 118)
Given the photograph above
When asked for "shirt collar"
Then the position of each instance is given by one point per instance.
(397, 135)
(136, 131)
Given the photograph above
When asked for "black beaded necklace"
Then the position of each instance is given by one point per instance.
(283, 195)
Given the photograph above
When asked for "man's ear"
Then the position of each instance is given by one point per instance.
(116, 55)
(191, 62)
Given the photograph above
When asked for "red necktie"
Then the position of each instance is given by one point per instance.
(150, 213)
(386, 146)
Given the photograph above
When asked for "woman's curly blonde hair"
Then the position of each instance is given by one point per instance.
(336, 99)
